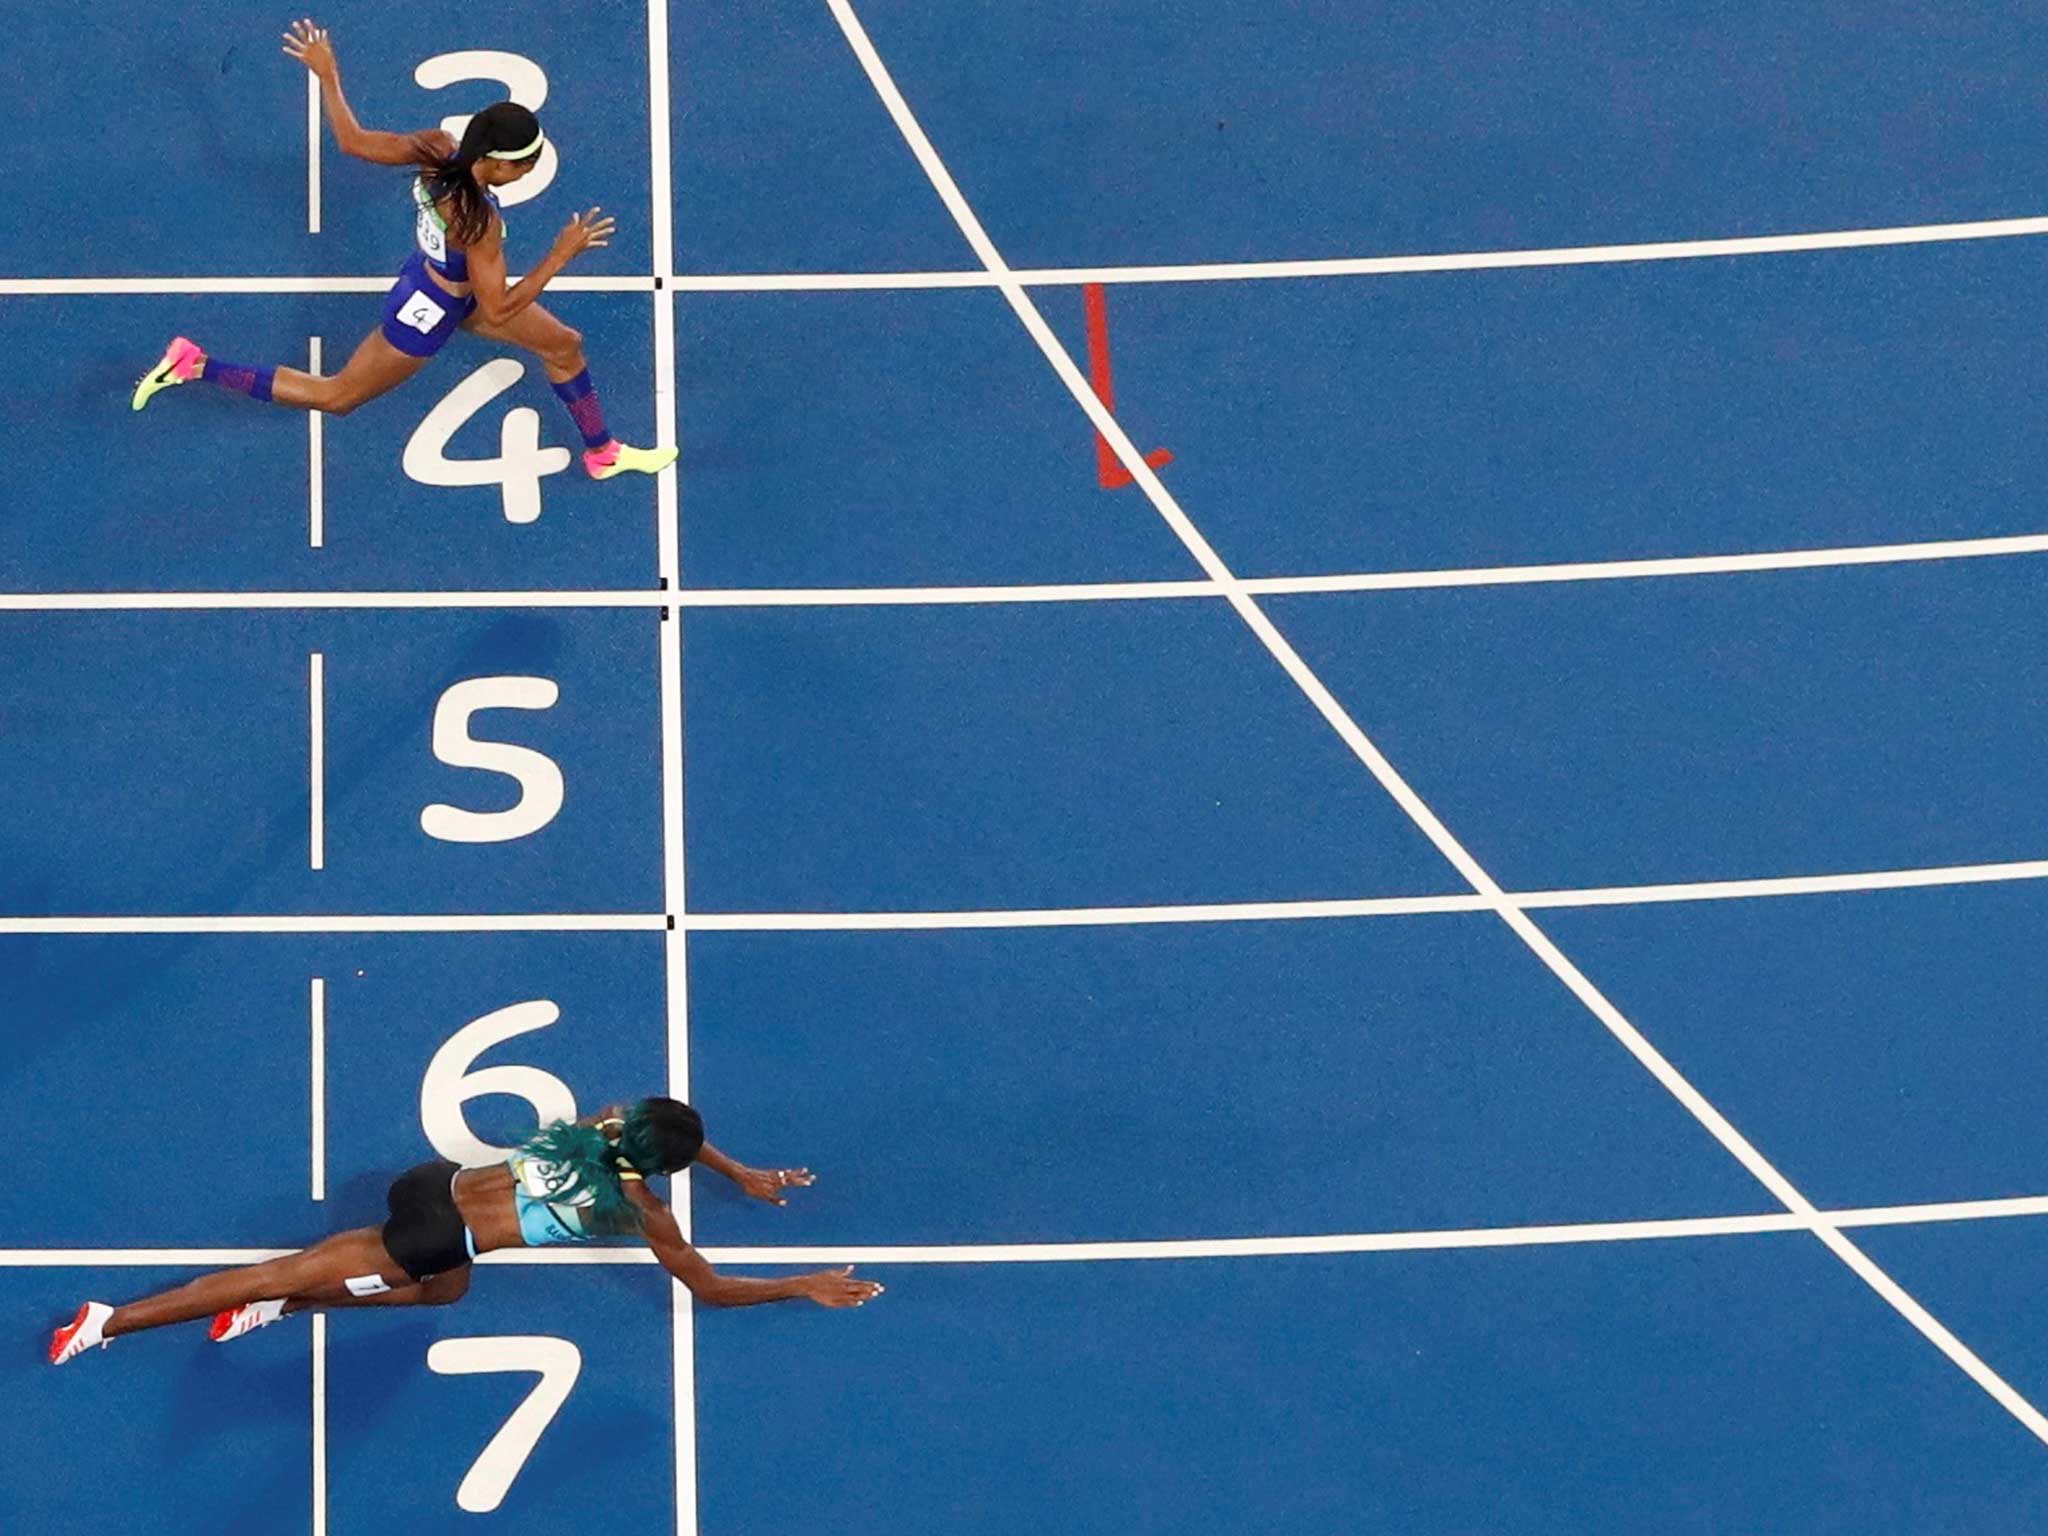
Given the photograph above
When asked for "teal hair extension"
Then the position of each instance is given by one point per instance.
(586, 1174)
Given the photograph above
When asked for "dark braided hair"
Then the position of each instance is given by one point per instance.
(661, 1136)
(506, 125)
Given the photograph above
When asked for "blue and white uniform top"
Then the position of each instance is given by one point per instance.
(430, 230)
(550, 1199)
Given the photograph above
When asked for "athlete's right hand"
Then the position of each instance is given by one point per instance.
(308, 44)
(584, 232)
(838, 1288)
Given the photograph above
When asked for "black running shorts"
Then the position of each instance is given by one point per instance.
(425, 1233)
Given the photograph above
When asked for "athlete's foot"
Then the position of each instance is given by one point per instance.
(615, 458)
(181, 363)
(244, 1319)
(81, 1333)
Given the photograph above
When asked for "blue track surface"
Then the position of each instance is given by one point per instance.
(979, 1073)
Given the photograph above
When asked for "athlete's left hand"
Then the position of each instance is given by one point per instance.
(769, 1183)
(308, 44)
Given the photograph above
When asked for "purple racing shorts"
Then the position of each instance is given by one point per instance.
(419, 314)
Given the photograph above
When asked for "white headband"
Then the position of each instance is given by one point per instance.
(517, 154)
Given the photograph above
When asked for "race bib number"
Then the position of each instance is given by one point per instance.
(552, 1182)
(433, 238)
(421, 313)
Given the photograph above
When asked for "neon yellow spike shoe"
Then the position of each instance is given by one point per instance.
(181, 363)
(615, 458)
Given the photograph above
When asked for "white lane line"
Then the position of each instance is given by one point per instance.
(1663, 566)
(1371, 906)
(1057, 917)
(1367, 266)
(316, 760)
(1326, 704)
(1081, 917)
(1558, 256)
(316, 463)
(1044, 277)
(835, 282)
(888, 597)
(669, 678)
(118, 287)
(1784, 885)
(787, 597)
(1376, 1242)
(136, 1258)
(317, 1008)
(1423, 1241)
(119, 602)
(1067, 592)
(319, 1424)
(1169, 272)
(312, 153)
(296, 922)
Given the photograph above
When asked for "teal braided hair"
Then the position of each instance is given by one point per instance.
(655, 1136)
(584, 1172)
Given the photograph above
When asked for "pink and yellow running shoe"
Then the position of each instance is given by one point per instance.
(181, 363)
(616, 458)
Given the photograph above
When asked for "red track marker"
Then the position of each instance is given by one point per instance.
(1108, 472)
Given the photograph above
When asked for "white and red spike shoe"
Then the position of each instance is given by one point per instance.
(81, 1333)
(244, 1319)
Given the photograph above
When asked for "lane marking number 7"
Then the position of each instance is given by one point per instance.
(559, 1362)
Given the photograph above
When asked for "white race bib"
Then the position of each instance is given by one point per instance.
(433, 238)
(552, 1182)
(421, 313)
